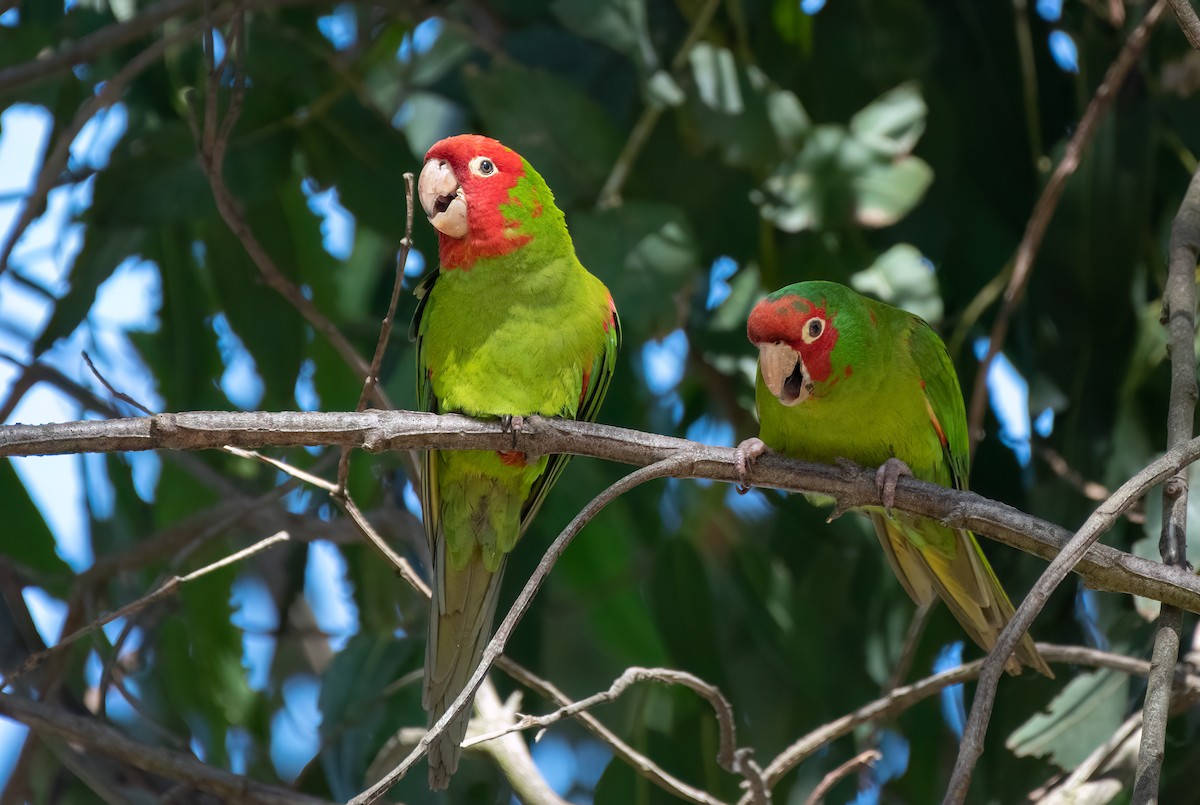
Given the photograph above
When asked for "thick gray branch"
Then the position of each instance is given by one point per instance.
(1102, 567)
(1179, 316)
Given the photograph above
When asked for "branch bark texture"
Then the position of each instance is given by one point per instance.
(1101, 567)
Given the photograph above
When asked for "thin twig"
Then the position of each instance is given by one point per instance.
(1047, 203)
(860, 761)
(904, 698)
(1102, 568)
(912, 639)
(727, 740)
(1102, 519)
(496, 646)
(88, 47)
(1068, 791)
(385, 329)
(52, 722)
(56, 159)
(212, 143)
(636, 760)
(377, 542)
(610, 193)
(1179, 317)
(169, 587)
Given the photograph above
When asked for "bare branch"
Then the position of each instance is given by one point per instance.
(88, 47)
(1103, 568)
(632, 676)
(56, 159)
(1189, 23)
(1047, 203)
(903, 698)
(169, 587)
(512, 755)
(861, 761)
(211, 145)
(985, 692)
(639, 762)
(496, 646)
(610, 193)
(52, 722)
(385, 330)
(1179, 316)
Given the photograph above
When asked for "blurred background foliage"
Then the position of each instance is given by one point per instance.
(704, 153)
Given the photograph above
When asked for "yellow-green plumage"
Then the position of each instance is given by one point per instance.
(881, 385)
(510, 325)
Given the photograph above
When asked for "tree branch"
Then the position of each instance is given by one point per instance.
(1179, 316)
(495, 647)
(630, 677)
(1103, 568)
(48, 721)
(88, 47)
(1100, 521)
(903, 698)
(1189, 23)
(1047, 203)
(636, 760)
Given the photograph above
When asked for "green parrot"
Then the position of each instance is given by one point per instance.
(510, 325)
(844, 376)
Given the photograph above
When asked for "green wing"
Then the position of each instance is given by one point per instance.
(944, 396)
(589, 406)
(426, 401)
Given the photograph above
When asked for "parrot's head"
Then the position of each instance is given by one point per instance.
(797, 330)
(482, 198)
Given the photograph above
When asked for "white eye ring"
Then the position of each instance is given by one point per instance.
(814, 328)
(483, 167)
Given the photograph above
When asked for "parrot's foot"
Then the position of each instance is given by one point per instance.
(885, 481)
(746, 454)
(512, 423)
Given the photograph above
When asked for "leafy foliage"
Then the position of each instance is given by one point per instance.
(890, 144)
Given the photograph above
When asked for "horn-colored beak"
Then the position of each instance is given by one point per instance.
(442, 198)
(783, 373)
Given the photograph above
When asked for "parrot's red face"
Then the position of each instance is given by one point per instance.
(465, 181)
(795, 339)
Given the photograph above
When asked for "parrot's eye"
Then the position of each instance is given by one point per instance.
(482, 166)
(813, 330)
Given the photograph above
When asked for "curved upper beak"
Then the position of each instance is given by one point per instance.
(783, 373)
(442, 198)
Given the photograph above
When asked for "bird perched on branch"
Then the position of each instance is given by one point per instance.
(509, 325)
(844, 376)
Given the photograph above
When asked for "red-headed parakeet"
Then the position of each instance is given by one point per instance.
(844, 376)
(510, 325)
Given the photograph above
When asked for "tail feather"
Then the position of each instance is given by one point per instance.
(460, 621)
(961, 576)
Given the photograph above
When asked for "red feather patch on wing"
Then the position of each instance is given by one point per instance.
(937, 426)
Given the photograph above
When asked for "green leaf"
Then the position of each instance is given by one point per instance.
(681, 600)
(561, 131)
(902, 277)
(270, 328)
(892, 123)
(103, 250)
(886, 192)
(802, 192)
(1077, 720)
(716, 74)
(27, 540)
(645, 252)
(356, 711)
